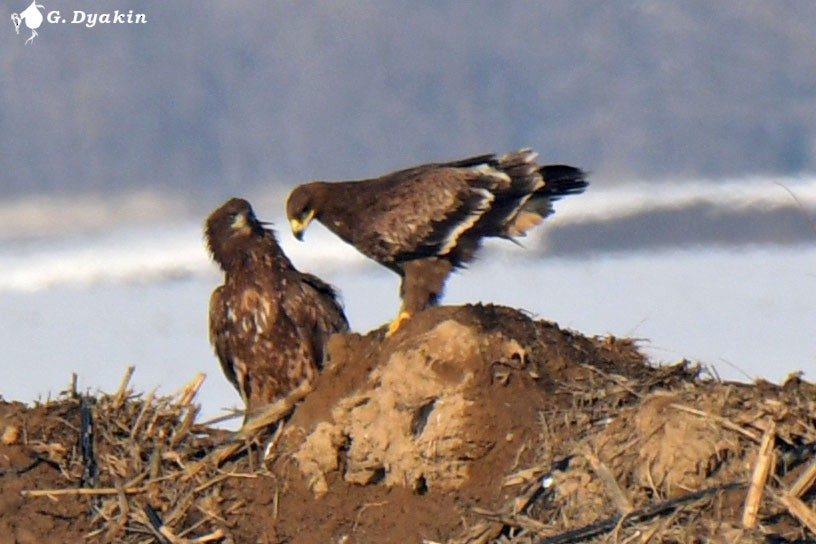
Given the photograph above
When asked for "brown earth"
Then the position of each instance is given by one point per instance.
(444, 432)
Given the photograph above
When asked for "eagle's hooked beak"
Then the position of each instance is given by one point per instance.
(240, 222)
(299, 226)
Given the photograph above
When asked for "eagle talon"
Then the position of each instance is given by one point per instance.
(394, 325)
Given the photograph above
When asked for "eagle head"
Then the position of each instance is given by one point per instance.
(229, 226)
(301, 207)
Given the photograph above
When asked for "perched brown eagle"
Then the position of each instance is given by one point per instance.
(268, 322)
(425, 221)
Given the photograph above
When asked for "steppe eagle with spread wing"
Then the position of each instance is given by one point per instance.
(425, 221)
(269, 322)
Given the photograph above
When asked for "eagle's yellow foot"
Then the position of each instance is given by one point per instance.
(401, 318)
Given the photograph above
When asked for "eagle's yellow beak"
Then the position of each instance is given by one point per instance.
(298, 226)
(240, 222)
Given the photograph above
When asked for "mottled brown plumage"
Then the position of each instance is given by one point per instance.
(425, 221)
(268, 322)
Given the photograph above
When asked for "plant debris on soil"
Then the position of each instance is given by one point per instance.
(471, 424)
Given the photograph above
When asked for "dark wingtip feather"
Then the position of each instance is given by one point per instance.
(562, 180)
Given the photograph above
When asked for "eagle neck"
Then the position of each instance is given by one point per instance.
(248, 256)
(339, 205)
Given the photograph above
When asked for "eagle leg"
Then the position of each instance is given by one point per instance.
(422, 283)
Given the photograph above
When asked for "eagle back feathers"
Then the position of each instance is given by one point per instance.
(413, 213)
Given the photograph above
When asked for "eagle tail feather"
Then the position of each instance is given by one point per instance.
(559, 180)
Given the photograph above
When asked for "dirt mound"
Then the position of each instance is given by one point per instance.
(470, 424)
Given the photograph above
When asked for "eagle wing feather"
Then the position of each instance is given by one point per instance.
(424, 211)
(220, 333)
(313, 307)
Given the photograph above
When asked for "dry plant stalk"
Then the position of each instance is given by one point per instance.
(805, 481)
(726, 423)
(508, 515)
(762, 470)
(80, 491)
(121, 394)
(145, 441)
(268, 416)
(800, 511)
(622, 502)
(274, 412)
(189, 391)
(72, 387)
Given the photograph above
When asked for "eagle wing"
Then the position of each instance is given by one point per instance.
(314, 308)
(444, 209)
(423, 211)
(221, 334)
(260, 348)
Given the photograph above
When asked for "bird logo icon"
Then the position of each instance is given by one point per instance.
(32, 18)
